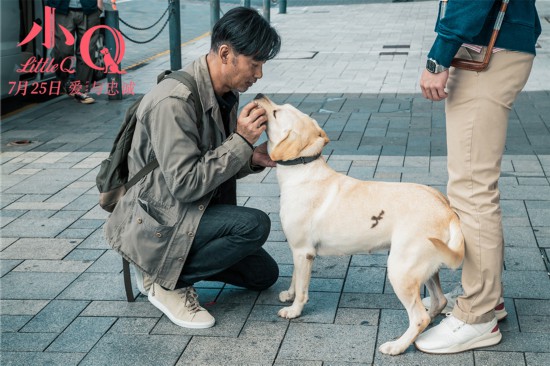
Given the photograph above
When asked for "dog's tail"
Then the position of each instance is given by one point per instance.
(453, 251)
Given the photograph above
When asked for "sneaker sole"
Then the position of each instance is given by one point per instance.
(176, 321)
(483, 341)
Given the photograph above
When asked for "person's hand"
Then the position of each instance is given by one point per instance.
(251, 122)
(260, 157)
(433, 85)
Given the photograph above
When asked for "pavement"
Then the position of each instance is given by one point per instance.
(354, 68)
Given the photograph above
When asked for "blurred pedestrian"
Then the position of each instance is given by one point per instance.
(77, 16)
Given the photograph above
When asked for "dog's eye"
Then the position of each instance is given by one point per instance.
(274, 114)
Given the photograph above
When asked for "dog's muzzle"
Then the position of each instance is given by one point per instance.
(259, 96)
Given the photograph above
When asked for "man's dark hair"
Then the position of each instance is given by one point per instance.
(248, 33)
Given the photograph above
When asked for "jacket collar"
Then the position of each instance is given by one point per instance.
(199, 70)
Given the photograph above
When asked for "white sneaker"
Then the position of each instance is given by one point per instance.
(181, 306)
(143, 282)
(500, 311)
(453, 335)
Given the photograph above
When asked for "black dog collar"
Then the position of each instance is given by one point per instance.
(300, 160)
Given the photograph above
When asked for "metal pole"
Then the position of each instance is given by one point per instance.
(111, 20)
(282, 6)
(214, 12)
(245, 3)
(267, 8)
(175, 35)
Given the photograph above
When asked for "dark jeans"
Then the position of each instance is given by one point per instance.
(77, 23)
(228, 248)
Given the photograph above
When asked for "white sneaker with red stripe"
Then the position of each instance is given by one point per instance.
(453, 335)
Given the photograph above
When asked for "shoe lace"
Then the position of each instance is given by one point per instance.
(453, 323)
(189, 294)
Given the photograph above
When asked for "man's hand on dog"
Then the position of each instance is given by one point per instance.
(260, 157)
(251, 122)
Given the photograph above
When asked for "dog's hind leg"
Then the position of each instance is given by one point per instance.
(437, 298)
(303, 263)
(406, 281)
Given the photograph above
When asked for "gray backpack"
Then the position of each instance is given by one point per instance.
(112, 180)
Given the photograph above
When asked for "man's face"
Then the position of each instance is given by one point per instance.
(243, 71)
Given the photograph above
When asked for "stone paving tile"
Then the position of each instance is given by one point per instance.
(122, 309)
(13, 323)
(40, 358)
(36, 228)
(55, 317)
(230, 319)
(7, 265)
(329, 342)
(522, 342)
(352, 316)
(53, 266)
(527, 284)
(6, 242)
(230, 351)
(81, 335)
(95, 286)
(537, 359)
(34, 286)
(133, 326)
(127, 349)
(523, 259)
(32, 342)
(498, 358)
(370, 301)
(95, 241)
(109, 262)
(39, 249)
(237, 296)
(365, 279)
(57, 179)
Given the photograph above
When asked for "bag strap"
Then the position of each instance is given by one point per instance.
(186, 79)
(148, 168)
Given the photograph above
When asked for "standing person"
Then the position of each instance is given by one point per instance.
(180, 224)
(77, 16)
(477, 105)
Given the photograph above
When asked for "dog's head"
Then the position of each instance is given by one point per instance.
(291, 133)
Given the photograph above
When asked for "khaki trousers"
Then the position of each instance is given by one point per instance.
(477, 109)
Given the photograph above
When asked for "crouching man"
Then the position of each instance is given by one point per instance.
(180, 224)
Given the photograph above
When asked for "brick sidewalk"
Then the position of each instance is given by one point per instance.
(62, 299)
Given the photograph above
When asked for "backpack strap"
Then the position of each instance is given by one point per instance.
(186, 79)
(148, 168)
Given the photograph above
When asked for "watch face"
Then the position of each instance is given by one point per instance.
(431, 65)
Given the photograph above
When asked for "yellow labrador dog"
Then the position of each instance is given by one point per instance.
(327, 213)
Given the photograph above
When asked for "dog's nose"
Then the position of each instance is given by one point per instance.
(259, 96)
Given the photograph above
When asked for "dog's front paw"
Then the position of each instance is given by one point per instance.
(290, 312)
(392, 348)
(286, 296)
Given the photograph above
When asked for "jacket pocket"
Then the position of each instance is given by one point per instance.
(145, 239)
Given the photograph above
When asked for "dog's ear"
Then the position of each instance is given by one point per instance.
(288, 148)
(324, 136)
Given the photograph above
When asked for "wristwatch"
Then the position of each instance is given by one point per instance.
(433, 67)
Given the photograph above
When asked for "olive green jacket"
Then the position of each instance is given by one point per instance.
(154, 224)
